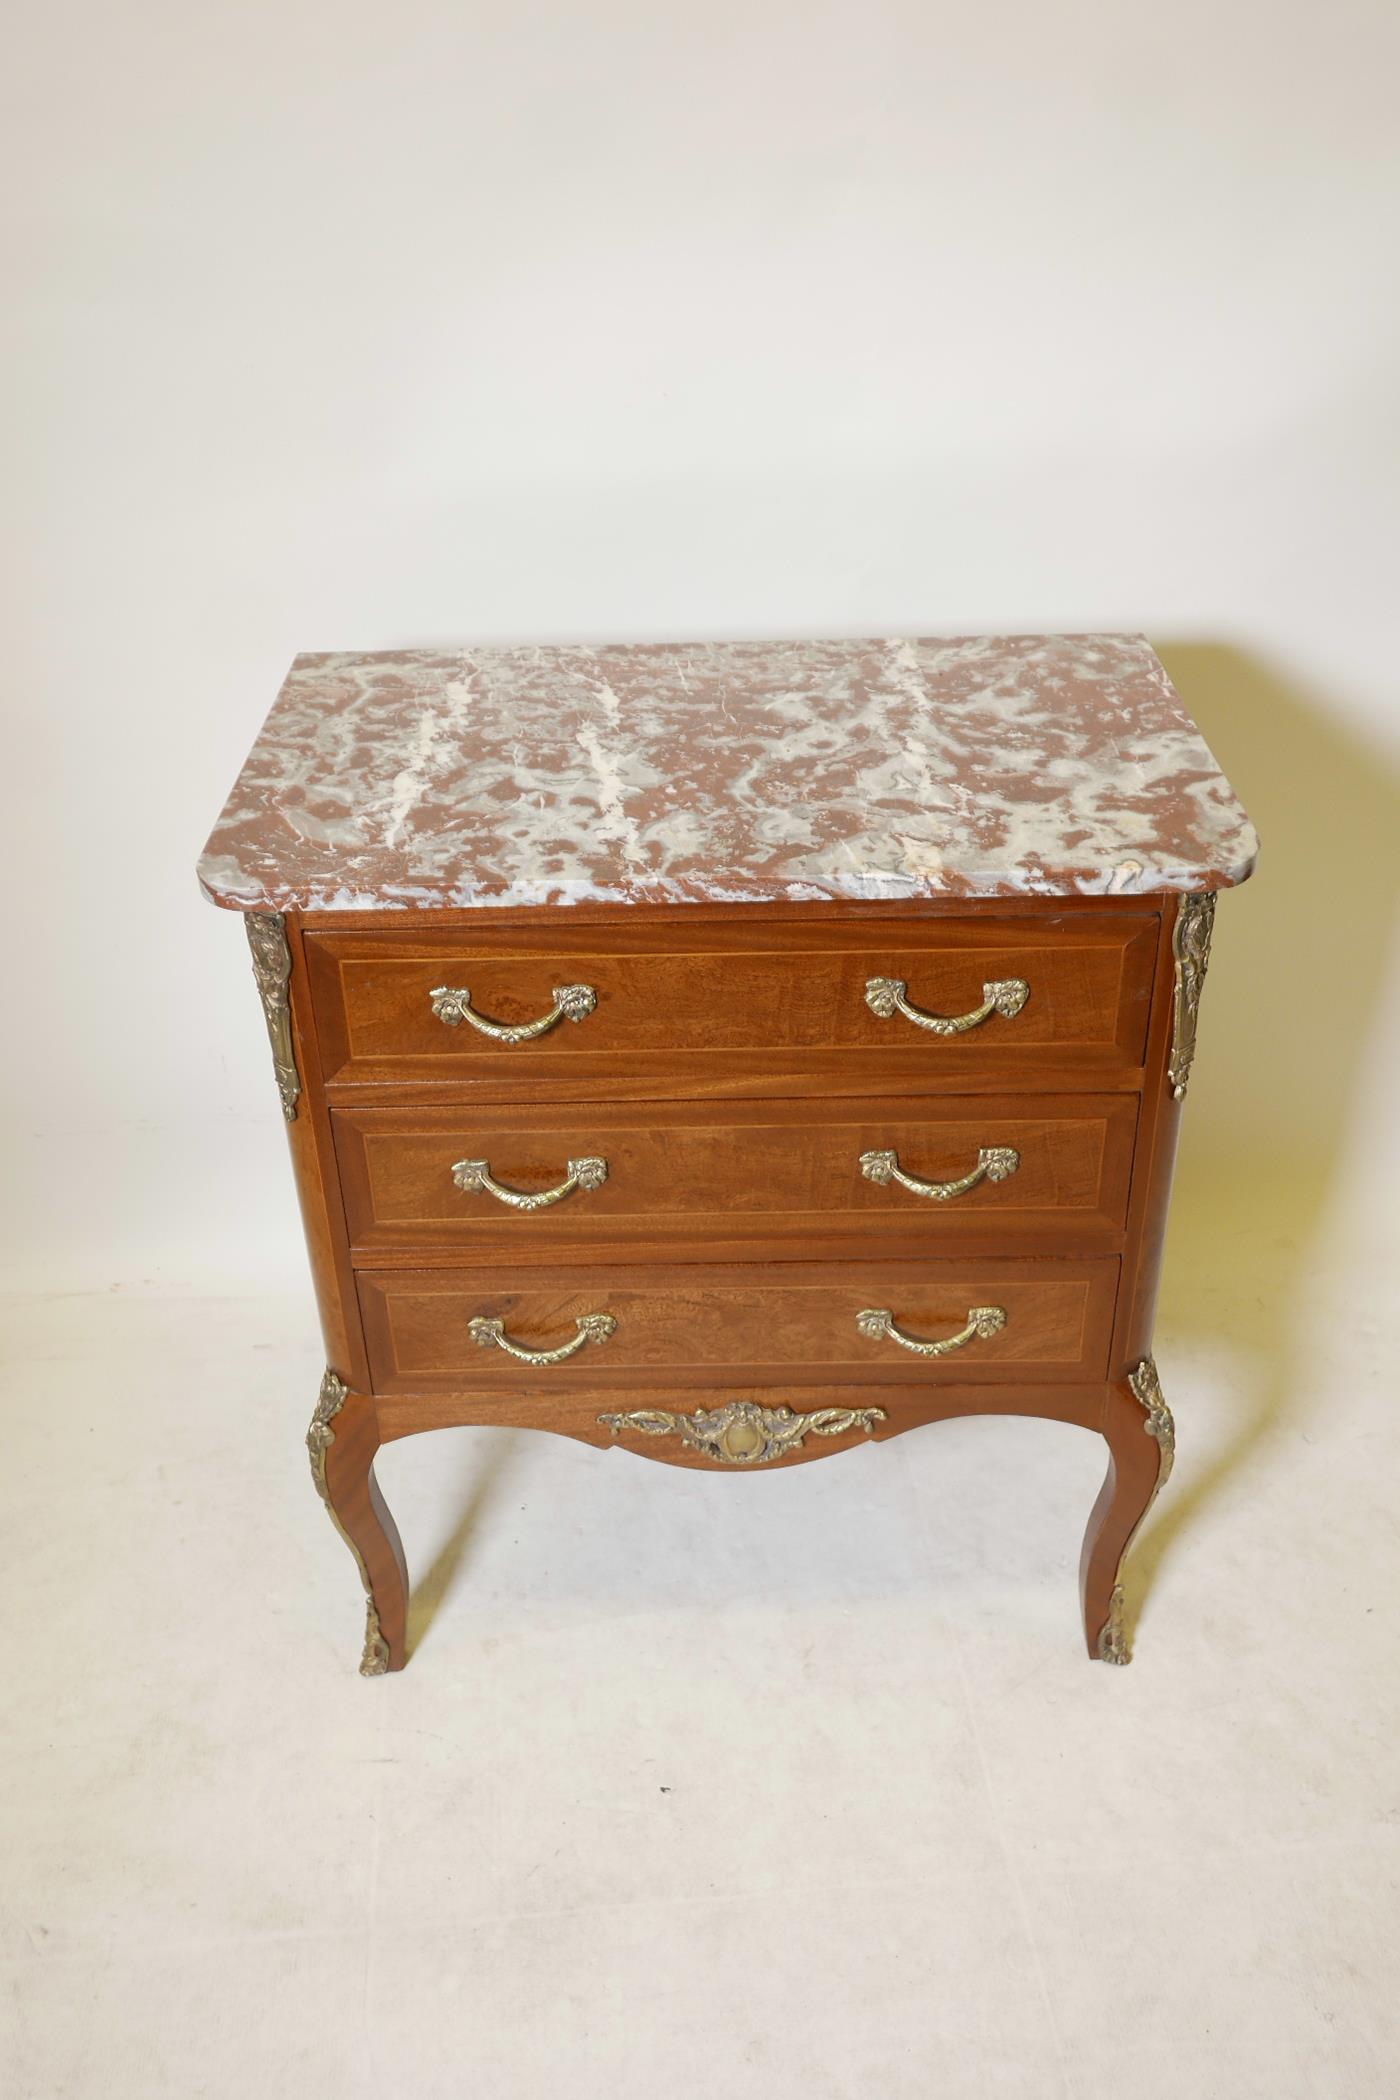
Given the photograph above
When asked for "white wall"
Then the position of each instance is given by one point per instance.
(341, 325)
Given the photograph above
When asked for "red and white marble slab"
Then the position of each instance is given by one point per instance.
(715, 772)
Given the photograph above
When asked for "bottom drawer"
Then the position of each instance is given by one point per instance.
(690, 1326)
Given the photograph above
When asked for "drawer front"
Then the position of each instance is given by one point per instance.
(1036, 999)
(694, 1327)
(741, 1175)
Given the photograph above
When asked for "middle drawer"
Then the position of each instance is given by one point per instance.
(515, 1183)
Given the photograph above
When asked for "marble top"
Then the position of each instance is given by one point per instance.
(711, 772)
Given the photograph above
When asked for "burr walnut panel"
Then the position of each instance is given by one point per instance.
(687, 1327)
(739, 1175)
(744, 1004)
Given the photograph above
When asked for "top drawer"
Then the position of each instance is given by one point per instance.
(710, 1006)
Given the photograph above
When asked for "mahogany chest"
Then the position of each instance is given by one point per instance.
(732, 1052)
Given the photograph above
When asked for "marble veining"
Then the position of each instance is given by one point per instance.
(707, 772)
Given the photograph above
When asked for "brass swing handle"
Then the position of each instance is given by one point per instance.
(592, 1327)
(983, 1321)
(1005, 996)
(994, 1163)
(572, 1002)
(475, 1176)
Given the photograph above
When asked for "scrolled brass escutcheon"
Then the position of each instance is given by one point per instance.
(572, 1002)
(1195, 922)
(994, 1163)
(374, 1662)
(983, 1321)
(592, 1327)
(885, 996)
(272, 967)
(475, 1176)
(742, 1433)
(1146, 1389)
(1113, 1634)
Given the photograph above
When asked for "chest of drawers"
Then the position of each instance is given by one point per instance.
(732, 1052)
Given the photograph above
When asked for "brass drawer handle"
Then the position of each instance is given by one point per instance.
(572, 1002)
(592, 1327)
(474, 1175)
(983, 1321)
(994, 1163)
(1005, 996)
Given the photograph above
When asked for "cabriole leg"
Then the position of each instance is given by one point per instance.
(1141, 1439)
(343, 1439)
